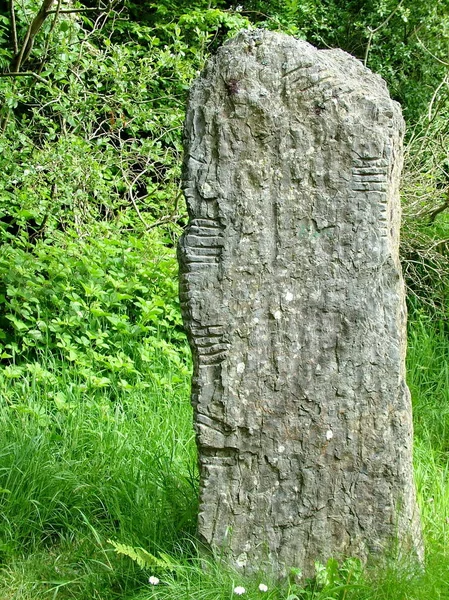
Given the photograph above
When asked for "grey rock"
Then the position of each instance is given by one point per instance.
(293, 300)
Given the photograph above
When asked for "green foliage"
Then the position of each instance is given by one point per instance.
(79, 466)
(89, 301)
(143, 558)
(428, 379)
(97, 134)
(425, 195)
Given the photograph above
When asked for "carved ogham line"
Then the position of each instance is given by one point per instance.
(312, 77)
(211, 422)
(365, 169)
(311, 84)
(208, 330)
(297, 68)
(198, 266)
(202, 259)
(202, 241)
(369, 170)
(211, 457)
(361, 161)
(211, 348)
(208, 224)
(186, 278)
(369, 186)
(364, 172)
(369, 175)
(203, 222)
(204, 233)
(208, 340)
(208, 251)
(211, 361)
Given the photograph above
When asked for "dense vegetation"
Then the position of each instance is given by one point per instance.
(97, 455)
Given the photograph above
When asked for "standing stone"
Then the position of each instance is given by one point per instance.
(293, 300)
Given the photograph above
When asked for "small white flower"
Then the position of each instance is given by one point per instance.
(153, 580)
(263, 587)
(239, 590)
(329, 434)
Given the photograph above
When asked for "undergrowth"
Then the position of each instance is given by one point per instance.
(97, 450)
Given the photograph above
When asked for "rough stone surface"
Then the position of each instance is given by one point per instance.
(293, 300)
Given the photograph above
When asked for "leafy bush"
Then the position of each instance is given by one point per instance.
(93, 129)
(425, 195)
(90, 301)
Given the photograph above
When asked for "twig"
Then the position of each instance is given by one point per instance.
(31, 33)
(438, 243)
(432, 216)
(131, 195)
(15, 42)
(109, 6)
(25, 74)
(163, 220)
(372, 32)
(69, 11)
(443, 62)
(47, 41)
(445, 81)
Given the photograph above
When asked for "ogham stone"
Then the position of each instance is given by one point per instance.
(293, 300)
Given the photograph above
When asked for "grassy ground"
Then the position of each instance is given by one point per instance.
(76, 471)
(80, 466)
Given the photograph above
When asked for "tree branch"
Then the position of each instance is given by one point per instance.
(97, 8)
(15, 42)
(31, 33)
(25, 74)
(378, 28)
(47, 41)
(69, 11)
(432, 216)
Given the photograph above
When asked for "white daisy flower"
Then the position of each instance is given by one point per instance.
(239, 590)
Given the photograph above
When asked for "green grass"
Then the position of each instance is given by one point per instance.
(82, 464)
(77, 469)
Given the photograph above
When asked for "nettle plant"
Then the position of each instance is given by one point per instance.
(106, 304)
